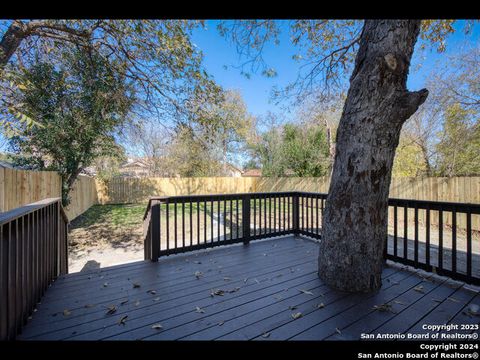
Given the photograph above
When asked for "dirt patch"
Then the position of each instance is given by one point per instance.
(106, 235)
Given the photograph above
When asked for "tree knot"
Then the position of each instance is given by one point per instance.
(391, 61)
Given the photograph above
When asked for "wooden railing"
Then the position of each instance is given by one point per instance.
(183, 223)
(33, 252)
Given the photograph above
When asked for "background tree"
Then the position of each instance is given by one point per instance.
(459, 145)
(188, 156)
(78, 105)
(409, 158)
(228, 126)
(293, 149)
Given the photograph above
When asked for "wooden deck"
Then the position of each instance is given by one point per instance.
(240, 293)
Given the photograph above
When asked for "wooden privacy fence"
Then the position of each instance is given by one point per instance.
(33, 252)
(138, 190)
(21, 187)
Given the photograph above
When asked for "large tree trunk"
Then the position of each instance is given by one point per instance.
(378, 103)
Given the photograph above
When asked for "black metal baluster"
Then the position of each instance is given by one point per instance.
(183, 223)
(260, 216)
(218, 220)
(405, 231)
(212, 209)
(416, 236)
(270, 214)
(191, 227)
(440, 239)
(205, 223)
(224, 219)
(236, 218)
(395, 230)
(254, 216)
(168, 224)
(198, 222)
(303, 226)
(454, 241)
(427, 236)
(231, 219)
(469, 245)
(265, 213)
(288, 212)
(274, 213)
(316, 214)
(175, 223)
(306, 214)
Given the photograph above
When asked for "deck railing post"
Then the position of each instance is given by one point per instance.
(246, 219)
(155, 231)
(296, 214)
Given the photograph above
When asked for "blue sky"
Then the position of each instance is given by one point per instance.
(256, 91)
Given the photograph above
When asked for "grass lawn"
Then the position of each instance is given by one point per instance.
(106, 235)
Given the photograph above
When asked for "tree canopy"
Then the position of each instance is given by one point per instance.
(78, 106)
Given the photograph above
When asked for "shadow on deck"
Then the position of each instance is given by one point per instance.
(268, 290)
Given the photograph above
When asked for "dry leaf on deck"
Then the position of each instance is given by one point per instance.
(122, 320)
(105, 284)
(292, 307)
(297, 315)
(157, 327)
(217, 292)
(383, 307)
(305, 292)
(199, 310)
(153, 292)
(266, 335)
(226, 278)
(419, 288)
(233, 290)
(453, 299)
(221, 323)
(111, 309)
(197, 262)
(473, 309)
(320, 306)
(136, 285)
(66, 312)
(338, 331)
(198, 274)
(156, 299)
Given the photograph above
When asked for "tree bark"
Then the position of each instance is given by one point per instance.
(11, 41)
(378, 103)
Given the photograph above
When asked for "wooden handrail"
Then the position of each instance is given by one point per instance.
(33, 253)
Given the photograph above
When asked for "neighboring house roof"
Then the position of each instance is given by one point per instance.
(233, 168)
(252, 173)
(134, 164)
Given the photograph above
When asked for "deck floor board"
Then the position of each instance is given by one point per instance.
(263, 285)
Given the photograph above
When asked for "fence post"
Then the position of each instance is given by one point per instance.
(155, 231)
(246, 219)
(296, 214)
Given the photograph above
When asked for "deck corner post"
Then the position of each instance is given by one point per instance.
(296, 214)
(155, 232)
(246, 219)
